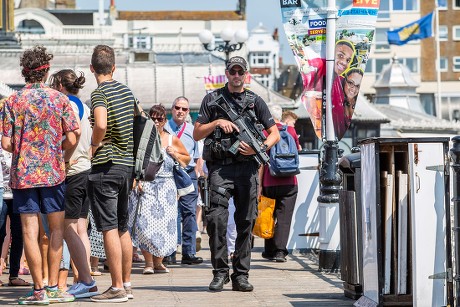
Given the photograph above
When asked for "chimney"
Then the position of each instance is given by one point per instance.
(101, 13)
(113, 10)
(242, 8)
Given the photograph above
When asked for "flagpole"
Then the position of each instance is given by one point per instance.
(438, 67)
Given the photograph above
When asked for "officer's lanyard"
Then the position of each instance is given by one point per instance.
(181, 131)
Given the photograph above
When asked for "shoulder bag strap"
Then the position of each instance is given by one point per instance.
(181, 131)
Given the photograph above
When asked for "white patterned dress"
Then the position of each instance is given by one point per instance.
(156, 223)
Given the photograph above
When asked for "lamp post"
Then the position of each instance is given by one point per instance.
(233, 40)
(7, 37)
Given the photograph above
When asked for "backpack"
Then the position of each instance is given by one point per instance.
(147, 146)
(284, 156)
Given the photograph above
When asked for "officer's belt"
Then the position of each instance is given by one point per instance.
(226, 161)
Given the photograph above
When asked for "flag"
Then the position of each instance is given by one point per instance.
(419, 29)
(212, 83)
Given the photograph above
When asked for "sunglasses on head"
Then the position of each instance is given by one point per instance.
(157, 119)
(181, 108)
(233, 72)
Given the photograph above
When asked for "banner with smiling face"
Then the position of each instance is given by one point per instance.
(305, 26)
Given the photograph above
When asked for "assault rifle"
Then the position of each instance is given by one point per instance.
(250, 131)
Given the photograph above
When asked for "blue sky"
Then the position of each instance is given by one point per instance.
(265, 11)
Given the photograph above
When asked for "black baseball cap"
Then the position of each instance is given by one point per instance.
(237, 60)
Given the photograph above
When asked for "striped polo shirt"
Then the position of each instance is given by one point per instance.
(119, 101)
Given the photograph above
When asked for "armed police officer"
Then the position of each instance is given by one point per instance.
(232, 119)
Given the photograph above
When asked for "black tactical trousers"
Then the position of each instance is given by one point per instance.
(239, 180)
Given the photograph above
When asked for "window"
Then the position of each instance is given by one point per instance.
(456, 33)
(442, 4)
(370, 66)
(405, 5)
(457, 4)
(443, 33)
(443, 62)
(264, 79)
(260, 58)
(379, 64)
(384, 9)
(140, 42)
(381, 40)
(456, 64)
(30, 26)
(387, 6)
(411, 63)
(141, 57)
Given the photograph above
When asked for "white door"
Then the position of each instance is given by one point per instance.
(369, 222)
(427, 223)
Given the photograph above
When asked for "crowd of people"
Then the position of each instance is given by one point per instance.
(69, 199)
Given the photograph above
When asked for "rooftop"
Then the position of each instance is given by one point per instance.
(179, 15)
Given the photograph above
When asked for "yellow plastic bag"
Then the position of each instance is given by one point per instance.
(264, 226)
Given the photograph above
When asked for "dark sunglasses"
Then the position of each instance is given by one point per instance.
(181, 108)
(158, 119)
(233, 72)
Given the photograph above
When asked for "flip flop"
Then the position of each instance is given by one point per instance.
(18, 282)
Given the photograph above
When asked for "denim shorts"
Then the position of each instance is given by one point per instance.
(44, 199)
(76, 197)
(108, 190)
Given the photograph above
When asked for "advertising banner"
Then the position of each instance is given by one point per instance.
(305, 26)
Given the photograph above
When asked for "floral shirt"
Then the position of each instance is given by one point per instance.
(36, 119)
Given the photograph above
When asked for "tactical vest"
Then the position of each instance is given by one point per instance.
(218, 145)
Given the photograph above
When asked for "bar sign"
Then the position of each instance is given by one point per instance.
(292, 3)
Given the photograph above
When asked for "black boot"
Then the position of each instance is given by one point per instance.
(191, 259)
(241, 283)
(218, 282)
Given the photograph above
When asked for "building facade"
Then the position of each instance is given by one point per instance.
(159, 55)
(263, 54)
(420, 55)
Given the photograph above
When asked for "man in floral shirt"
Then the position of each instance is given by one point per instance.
(35, 119)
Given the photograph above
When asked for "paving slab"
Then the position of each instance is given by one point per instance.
(296, 282)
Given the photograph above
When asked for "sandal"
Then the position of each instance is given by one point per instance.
(161, 269)
(136, 258)
(148, 268)
(18, 282)
(95, 272)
